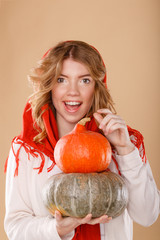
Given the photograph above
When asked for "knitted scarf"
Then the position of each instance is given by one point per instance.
(25, 140)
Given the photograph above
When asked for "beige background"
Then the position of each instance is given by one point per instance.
(127, 34)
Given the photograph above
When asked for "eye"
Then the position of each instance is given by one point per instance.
(60, 80)
(86, 80)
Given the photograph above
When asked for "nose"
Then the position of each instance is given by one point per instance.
(73, 89)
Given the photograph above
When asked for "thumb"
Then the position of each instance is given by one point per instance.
(98, 117)
(58, 216)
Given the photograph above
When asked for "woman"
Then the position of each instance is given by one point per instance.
(70, 83)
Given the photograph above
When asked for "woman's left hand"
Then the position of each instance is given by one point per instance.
(115, 130)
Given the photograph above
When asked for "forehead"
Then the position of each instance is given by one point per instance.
(71, 66)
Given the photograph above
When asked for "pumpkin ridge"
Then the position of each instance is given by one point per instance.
(123, 192)
(73, 198)
(90, 195)
(111, 187)
(55, 193)
(111, 196)
(56, 190)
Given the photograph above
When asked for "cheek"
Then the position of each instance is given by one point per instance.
(57, 93)
(55, 96)
(89, 96)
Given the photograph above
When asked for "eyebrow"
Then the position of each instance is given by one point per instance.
(84, 75)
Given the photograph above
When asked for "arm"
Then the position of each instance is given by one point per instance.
(144, 197)
(20, 219)
(143, 206)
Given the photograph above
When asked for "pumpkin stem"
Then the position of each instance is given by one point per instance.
(84, 120)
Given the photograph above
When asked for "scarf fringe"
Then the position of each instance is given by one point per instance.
(138, 140)
(30, 152)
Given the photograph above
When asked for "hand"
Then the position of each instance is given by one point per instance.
(115, 130)
(66, 225)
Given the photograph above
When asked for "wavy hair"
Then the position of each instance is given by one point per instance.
(48, 69)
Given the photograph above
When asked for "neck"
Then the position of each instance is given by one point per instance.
(64, 131)
(64, 128)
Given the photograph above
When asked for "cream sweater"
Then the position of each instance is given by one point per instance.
(27, 218)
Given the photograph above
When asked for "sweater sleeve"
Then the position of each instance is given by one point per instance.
(20, 220)
(144, 197)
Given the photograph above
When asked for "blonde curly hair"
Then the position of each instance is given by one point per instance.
(45, 74)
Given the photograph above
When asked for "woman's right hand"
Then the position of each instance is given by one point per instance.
(66, 225)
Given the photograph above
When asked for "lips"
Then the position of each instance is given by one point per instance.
(72, 106)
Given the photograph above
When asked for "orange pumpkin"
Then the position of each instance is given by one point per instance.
(82, 151)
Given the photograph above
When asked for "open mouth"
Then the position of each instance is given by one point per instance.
(72, 106)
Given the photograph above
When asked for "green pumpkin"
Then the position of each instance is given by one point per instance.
(78, 194)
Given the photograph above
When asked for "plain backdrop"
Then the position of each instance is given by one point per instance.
(127, 34)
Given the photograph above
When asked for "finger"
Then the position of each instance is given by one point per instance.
(114, 126)
(102, 219)
(104, 110)
(58, 216)
(105, 219)
(108, 118)
(85, 219)
(98, 117)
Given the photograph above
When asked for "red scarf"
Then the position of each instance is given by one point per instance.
(25, 140)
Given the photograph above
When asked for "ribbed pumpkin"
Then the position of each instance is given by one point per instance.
(82, 151)
(78, 194)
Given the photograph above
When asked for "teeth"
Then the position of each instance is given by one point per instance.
(72, 103)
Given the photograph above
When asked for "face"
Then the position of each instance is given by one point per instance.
(73, 93)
